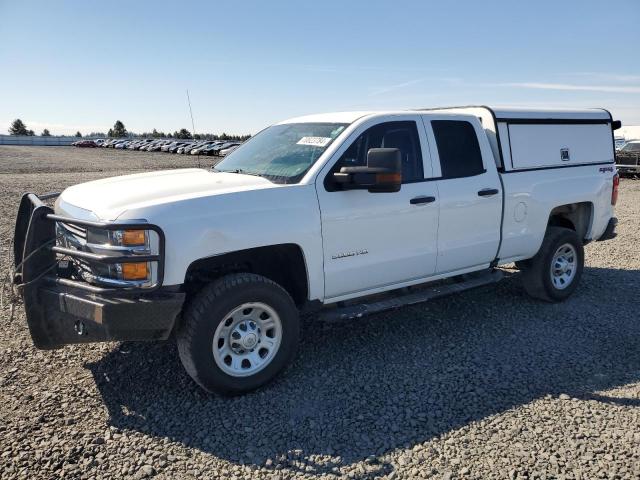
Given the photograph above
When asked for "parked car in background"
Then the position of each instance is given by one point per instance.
(143, 143)
(155, 146)
(189, 148)
(175, 148)
(216, 150)
(167, 146)
(186, 148)
(205, 149)
(628, 158)
(226, 151)
(158, 145)
(85, 144)
(199, 148)
(145, 147)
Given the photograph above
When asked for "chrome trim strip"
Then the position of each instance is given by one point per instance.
(95, 247)
(111, 282)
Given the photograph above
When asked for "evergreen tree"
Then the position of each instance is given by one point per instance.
(18, 128)
(183, 134)
(118, 130)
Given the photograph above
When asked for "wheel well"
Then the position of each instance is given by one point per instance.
(576, 216)
(284, 264)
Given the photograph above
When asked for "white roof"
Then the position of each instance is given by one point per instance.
(584, 113)
(540, 113)
(500, 112)
(335, 117)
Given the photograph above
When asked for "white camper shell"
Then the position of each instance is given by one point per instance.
(526, 139)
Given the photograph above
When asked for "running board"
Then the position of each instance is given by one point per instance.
(412, 298)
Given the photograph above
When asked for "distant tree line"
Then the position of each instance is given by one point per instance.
(184, 134)
(119, 131)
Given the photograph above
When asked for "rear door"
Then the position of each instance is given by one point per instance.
(470, 193)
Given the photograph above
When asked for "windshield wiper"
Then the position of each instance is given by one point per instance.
(240, 171)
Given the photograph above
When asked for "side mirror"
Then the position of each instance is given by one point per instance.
(383, 173)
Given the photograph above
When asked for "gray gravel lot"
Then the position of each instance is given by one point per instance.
(486, 384)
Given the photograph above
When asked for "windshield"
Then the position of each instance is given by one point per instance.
(282, 153)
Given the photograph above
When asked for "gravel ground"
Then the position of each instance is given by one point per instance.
(486, 384)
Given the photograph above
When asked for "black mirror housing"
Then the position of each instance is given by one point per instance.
(383, 173)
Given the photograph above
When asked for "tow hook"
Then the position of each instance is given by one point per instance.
(79, 327)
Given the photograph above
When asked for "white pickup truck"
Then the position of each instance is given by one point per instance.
(337, 215)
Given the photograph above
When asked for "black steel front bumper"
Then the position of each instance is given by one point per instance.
(64, 311)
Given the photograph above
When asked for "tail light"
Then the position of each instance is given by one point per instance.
(614, 191)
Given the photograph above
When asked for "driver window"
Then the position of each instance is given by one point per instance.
(401, 135)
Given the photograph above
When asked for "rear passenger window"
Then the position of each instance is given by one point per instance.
(458, 148)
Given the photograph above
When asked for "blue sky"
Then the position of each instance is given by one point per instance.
(81, 65)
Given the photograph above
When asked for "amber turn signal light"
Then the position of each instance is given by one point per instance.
(388, 178)
(133, 237)
(135, 271)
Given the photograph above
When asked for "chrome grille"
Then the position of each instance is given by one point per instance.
(75, 237)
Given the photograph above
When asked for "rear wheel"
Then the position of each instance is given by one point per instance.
(238, 333)
(554, 273)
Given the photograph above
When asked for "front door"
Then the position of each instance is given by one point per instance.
(373, 241)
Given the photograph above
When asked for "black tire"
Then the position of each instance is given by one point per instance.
(536, 276)
(210, 307)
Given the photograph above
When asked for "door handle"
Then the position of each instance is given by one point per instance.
(419, 200)
(487, 192)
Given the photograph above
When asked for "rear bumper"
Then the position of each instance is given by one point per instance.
(63, 311)
(610, 231)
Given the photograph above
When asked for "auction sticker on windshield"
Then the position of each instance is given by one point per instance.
(315, 141)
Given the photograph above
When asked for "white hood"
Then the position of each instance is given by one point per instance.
(108, 198)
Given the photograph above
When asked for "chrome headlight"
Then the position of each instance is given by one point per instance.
(123, 242)
(135, 239)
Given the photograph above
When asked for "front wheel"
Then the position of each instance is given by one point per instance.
(555, 271)
(238, 333)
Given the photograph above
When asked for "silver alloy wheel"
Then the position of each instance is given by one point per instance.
(564, 266)
(247, 340)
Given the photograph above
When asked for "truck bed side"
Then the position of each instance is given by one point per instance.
(531, 196)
